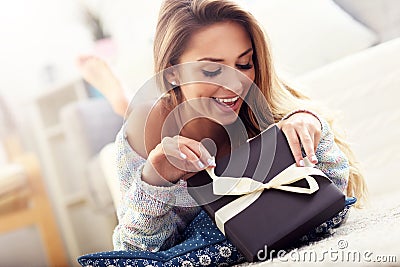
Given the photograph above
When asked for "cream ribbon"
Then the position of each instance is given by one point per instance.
(251, 189)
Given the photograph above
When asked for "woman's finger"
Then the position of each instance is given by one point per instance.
(178, 155)
(171, 148)
(308, 130)
(204, 158)
(294, 144)
(192, 154)
(307, 140)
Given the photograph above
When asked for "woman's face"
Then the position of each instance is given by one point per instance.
(223, 72)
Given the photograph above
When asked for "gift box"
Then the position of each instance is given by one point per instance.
(280, 203)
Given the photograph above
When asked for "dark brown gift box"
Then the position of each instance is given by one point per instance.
(277, 218)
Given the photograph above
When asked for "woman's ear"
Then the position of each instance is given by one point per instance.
(171, 75)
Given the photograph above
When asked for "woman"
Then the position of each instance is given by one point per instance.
(153, 164)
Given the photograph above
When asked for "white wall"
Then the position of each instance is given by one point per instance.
(35, 34)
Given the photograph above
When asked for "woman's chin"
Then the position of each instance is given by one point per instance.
(214, 111)
(223, 114)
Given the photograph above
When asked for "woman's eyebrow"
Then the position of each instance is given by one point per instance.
(210, 59)
(221, 60)
(245, 52)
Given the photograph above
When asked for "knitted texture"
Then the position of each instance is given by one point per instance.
(148, 217)
(331, 160)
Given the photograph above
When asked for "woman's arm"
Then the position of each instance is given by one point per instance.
(148, 216)
(155, 204)
(331, 160)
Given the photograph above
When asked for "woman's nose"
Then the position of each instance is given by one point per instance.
(235, 86)
(234, 81)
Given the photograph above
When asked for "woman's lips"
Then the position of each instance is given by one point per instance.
(227, 104)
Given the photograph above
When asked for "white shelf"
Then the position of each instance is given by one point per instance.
(54, 131)
(75, 199)
(64, 182)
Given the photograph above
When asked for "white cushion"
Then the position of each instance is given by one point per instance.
(12, 176)
(365, 89)
(310, 33)
(109, 167)
(382, 16)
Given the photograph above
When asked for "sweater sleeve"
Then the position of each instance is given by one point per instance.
(149, 217)
(331, 160)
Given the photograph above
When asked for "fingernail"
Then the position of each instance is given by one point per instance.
(182, 155)
(201, 165)
(314, 159)
(211, 162)
(301, 163)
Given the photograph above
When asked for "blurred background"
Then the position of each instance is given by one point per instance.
(57, 184)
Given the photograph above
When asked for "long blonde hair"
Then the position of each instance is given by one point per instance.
(178, 19)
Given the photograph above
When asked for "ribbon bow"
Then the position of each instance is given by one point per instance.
(251, 189)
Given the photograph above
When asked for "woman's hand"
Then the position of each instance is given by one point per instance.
(175, 158)
(302, 129)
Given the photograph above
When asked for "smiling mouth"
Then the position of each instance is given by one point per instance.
(229, 102)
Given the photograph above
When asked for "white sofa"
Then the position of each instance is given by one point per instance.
(364, 88)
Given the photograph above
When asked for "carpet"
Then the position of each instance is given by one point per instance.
(370, 237)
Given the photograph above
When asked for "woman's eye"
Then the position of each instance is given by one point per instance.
(211, 73)
(244, 67)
